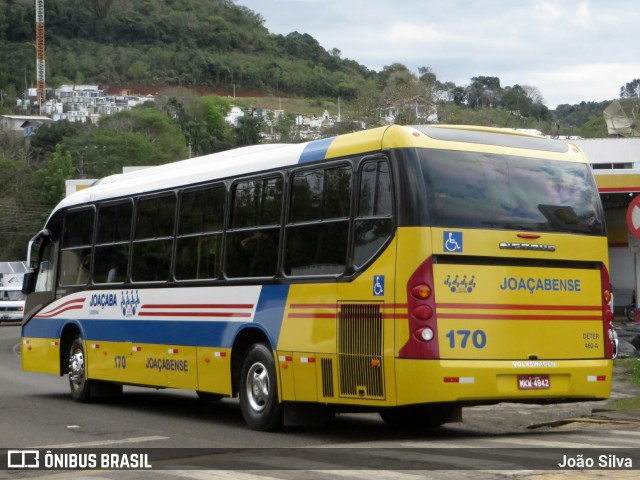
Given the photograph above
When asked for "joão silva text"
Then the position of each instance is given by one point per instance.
(604, 461)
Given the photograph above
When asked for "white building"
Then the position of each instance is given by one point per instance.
(22, 125)
(233, 116)
(616, 166)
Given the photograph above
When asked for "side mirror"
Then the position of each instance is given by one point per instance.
(34, 248)
(29, 282)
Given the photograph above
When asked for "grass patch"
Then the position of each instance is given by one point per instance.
(625, 404)
(631, 367)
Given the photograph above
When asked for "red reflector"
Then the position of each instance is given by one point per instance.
(451, 379)
(422, 312)
(528, 235)
(601, 378)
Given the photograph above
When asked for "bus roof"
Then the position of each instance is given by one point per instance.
(258, 158)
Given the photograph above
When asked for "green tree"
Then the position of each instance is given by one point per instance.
(153, 126)
(21, 215)
(595, 127)
(284, 129)
(484, 92)
(247, 132)
(212, 134)
(516, 100)
(630, 89)
(49, 135)
(58, 168)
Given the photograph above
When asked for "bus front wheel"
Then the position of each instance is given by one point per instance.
(78, 383)
(258, 390)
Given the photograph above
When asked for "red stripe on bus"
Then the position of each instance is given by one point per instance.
(58, 311)
(619, 189)
(312, 315)
(337, 305)
(199, 305)
(313, 305)
(60, 308)
(194, 314)
(488, 316)
(505, 306)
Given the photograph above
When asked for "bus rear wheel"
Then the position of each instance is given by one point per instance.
(258, 390)
(78, 383)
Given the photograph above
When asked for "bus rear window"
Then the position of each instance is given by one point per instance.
(480, 190)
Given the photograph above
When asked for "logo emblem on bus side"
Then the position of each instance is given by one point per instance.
(464, 285)
(129, 302)
(452, 241)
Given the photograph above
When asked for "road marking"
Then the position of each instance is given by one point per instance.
(214, 475)
(101, 443)
(518, 442)
(240, 475)
(623, 432)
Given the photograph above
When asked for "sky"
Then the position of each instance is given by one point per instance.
(570, 50)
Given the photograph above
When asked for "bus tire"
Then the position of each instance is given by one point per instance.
(258, 390)
(79, 385)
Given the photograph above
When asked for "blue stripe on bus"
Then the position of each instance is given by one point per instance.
(316, 150)
(43, 328)
(269, 315)
(270, 310)
(163, 332)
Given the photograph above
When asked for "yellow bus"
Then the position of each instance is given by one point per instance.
(409, 271)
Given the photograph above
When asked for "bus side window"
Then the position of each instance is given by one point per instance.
(112, 243)
(254, 235)
(77, 238)
(317, 231)
(373, 224)
(153, 239)
(200, 234)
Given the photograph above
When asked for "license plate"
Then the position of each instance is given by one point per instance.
(533, 382)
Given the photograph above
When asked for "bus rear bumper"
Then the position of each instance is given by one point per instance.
(425, 381)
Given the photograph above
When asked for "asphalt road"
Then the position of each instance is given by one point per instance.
(36, 411)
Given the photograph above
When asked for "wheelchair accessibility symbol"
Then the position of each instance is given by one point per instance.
(378, 285)
(452, 241)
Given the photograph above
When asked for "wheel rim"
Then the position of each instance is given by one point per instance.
(76, 369)
(258, 387)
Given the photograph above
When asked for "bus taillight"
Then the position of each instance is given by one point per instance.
(421, 307)
(610, 347)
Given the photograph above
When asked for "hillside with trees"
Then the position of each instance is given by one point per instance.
(188, 43)
(184, 48)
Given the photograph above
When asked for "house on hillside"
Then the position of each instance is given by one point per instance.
(424, 112)
(87, 103)
(233, 116)
(22, 125)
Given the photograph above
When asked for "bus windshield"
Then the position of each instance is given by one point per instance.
(481, 190)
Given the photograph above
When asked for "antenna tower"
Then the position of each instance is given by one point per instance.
(41, 92)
